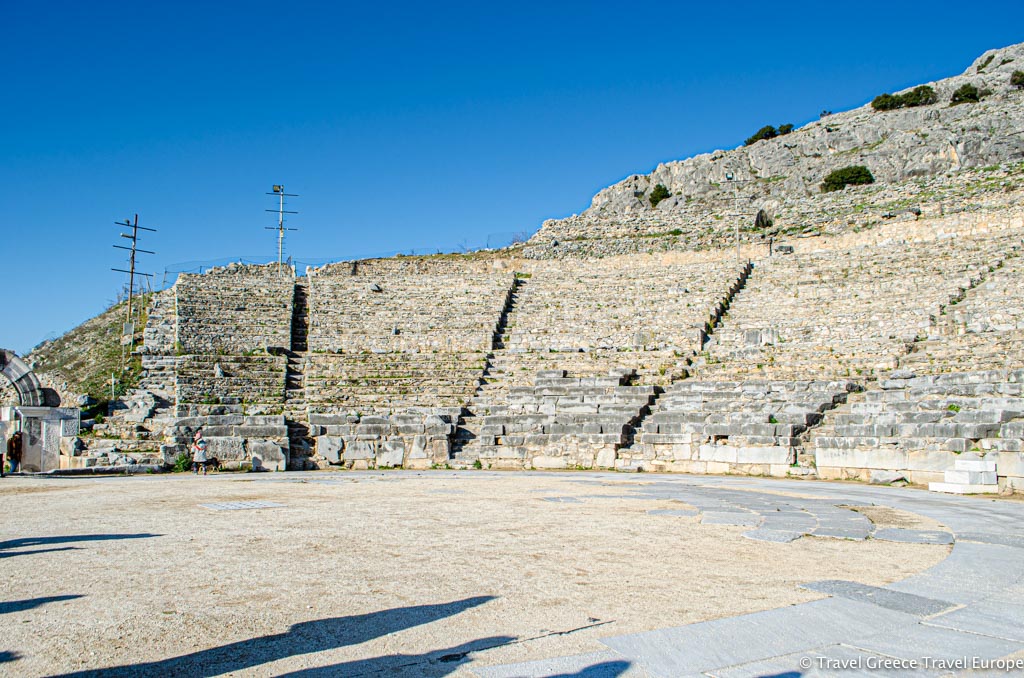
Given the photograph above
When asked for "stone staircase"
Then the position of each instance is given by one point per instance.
(492, 387)
(300, 442)
(519, 362)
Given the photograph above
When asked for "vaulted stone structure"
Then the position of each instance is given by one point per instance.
(25, 382)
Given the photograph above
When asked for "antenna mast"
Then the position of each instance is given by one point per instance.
(129, 329)
(281, 211)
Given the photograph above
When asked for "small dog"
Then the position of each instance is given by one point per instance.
(213, 463)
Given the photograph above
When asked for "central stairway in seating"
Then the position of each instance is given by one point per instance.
(573, 328)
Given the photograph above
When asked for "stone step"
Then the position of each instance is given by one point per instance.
(958, 488)
(975, 465)
(956, 477)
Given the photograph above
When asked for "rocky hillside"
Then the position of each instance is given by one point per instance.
(916, 154)
(79, 363)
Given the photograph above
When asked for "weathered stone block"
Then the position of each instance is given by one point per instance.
(229, 449)
(261, 431)
(359, 449)
(391, 453)
(605, 458)
(547, 462)
(860, 458)
(330, 447)
(765, 455)
(267, 455)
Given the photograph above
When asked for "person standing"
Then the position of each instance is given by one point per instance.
(199, 457)
(13, 453)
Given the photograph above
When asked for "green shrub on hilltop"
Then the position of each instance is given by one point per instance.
(658, 194)
(1017, 79)
(855, 175)
(886, 102)
(769, 132)
(965, 94)
(922, 95)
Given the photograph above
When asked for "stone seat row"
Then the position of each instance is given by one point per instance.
(564, 422)
(579, 305)
(405, 308)
(731, 426)
(917, 425)
(848, 311)
(253, 379)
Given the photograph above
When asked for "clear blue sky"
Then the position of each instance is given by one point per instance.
(402, 125)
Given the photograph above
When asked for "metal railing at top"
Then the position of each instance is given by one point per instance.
(493, 241)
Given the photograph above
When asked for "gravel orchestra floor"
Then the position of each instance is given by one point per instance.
(495, 574)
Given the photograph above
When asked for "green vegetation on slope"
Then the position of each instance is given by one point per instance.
(855, 175)
(86, 356)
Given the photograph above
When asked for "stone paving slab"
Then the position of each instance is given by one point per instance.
(674, 512)
(833, 660)
(919, 641)
(970, 573)
(606, 664)
(1017, 541)
(730, 518)
(995, 618)
(913, 536)
(892, 600)
(777, 536)
(802, 525)
(241, 505)
(706, 646)
(841, 533)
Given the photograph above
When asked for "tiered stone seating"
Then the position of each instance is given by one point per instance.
(234, 310)
(618, 305)
(848, 312)
(405, 305)
(392, 382)
(732, 427)
(917, 426)
(389, 335)
(589, 317)
(983, 331)
(213, 379)
(563, 422)
(158, 347)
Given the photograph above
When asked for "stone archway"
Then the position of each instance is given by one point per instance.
(25, 382)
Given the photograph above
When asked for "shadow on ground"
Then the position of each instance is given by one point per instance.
(316, 636)
(32, 603)
(428, 665)
(6, 546)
